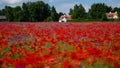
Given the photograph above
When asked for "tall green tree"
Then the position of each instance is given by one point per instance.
(17, 13)
(54, 14)
(31, 11)
(39, 11)
(118, 10)
(9, 13)
(60, 14)
(98, 10)
(77, 12)
(0, 12)
(25, 11)
(71, 11)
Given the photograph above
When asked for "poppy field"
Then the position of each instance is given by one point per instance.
(59, 45)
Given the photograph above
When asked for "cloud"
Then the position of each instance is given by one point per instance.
(87, 7)
(12, 3)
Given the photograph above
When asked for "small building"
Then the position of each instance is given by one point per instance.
(2, 18)
(112, 15)
(64, 18)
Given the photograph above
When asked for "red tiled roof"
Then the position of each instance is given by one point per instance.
(111, 14)
(68, 17)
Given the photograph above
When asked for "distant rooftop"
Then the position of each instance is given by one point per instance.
(2, 17)
(112, 15)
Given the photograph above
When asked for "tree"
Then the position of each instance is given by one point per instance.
(17, 13)
(9, 13)
(0, 12)
(54, 14)
(60, 14)
(49, 19)
(38, 11)
(71, 11)
(118, 10)
(104, 17)
(30, 11)
(47, 11)
(77, 12)
(97, 10)
(25, 11)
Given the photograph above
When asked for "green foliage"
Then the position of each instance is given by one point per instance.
(98, 65)
(39, 11)
(0, 12)
(74, 20)
(28, 48)
(26, 13)
(71, 11)
(77, 12)
(97, 10)
(85, 20)
(95, 13)
(9, 13)
(49, 19)
(31, 11)
(7, 49)
(54, 14)
(60, 14)
(104, 17)
(1, 56)
(118, 11)
(15, 56)
(114, 20)
(17, 13)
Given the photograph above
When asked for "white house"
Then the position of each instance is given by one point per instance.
(64, 18)
(112, 15)
(2, 17)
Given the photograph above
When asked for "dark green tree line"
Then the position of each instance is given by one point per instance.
(98, 10)
(77, 12)
(118, 10)
(40, 11)
(31, 11)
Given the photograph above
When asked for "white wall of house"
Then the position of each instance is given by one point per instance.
(115, 17)
(2, 17)
(63, 20)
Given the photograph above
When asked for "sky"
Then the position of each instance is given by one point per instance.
(62, 5)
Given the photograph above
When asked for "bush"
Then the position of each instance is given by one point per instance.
(84, 20)
(48, 19)
(74, 20)
(103, 19)
(114, 20)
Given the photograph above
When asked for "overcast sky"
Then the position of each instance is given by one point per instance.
(62, 5)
